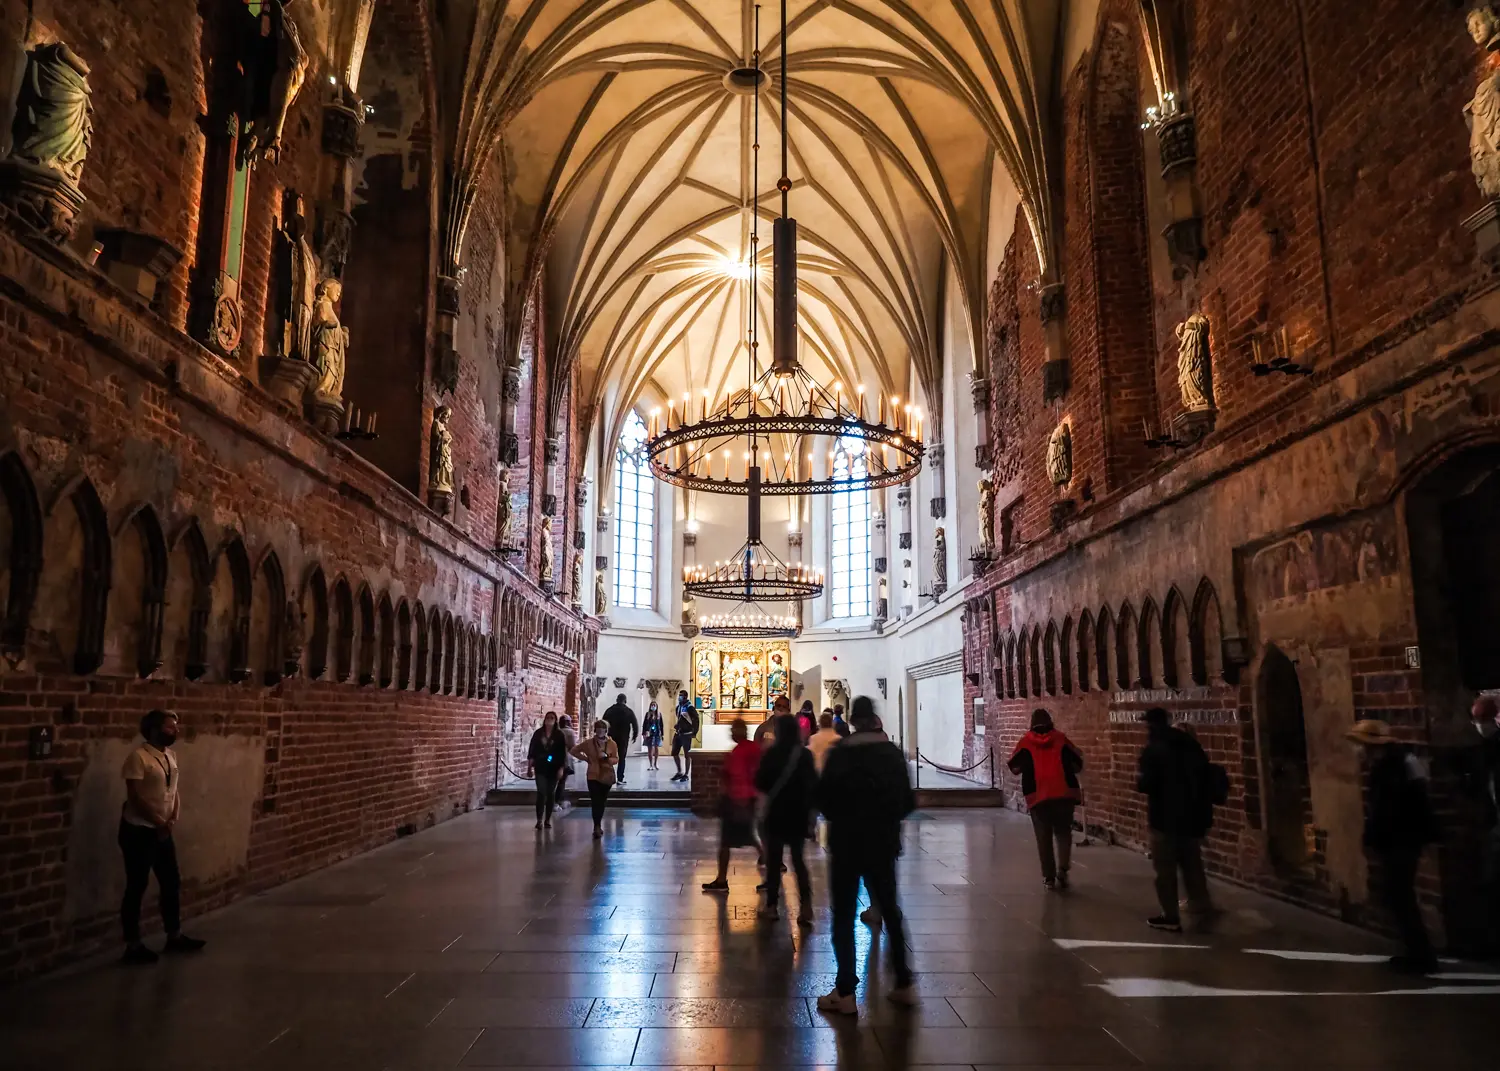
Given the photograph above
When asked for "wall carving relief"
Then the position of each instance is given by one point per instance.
(1060, 454)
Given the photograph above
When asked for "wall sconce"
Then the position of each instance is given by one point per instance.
(1271, 352)
(1156, 115)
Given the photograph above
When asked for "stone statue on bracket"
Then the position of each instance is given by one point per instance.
(1483, 117)
(1060, 454)
(548, 553)
(329, 340)
(277, 66)
(49, 141)
(294, 283)
(576, 585)
(440, 461)
(1195, 376)
(986, 512)
(601, 600)
(504, 514)
(939, 560)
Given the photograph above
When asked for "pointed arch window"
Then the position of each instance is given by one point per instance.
(850, 539)
(635, 518)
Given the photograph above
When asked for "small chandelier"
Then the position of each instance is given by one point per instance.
(749, 622)
(754, 572)
(782, 405)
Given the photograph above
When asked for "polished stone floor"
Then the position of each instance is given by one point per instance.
(481, 943)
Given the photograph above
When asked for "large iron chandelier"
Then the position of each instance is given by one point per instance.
(767, 435)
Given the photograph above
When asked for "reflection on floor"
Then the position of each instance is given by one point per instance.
(639, 778)
(481, 943)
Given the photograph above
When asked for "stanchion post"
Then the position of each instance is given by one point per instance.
(919, 769)
(992, 768)
(496, 783)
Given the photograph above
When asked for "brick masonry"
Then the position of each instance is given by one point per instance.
(1332, 195)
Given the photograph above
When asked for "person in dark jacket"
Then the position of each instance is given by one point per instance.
(786, 781)
(1480, 763)
(1048, 765)
(1175, 777)
(865, 793)
(1398, 825)
(548, 756)
(623, 728)
(684, 729)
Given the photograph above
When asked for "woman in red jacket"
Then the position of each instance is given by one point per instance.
(1048, 765)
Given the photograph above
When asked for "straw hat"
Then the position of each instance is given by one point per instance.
(1371, 731)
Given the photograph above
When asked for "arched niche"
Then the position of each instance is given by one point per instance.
(461, 660)
(385, 618)
(437, 642)
(73, 594)
(137, 595)
(1034, 663)
(367, 638)
(1206, 635)
(404, 644)
(267, 618)
(315, 623)
(1086, 647)
(1023, 676)
(450, 653)
(21, 536)
(1065, 656)
(1127, 647)
(1107, 650)
(1176, 638)
(1049, 659)
(343, 631)
(189, 606)
(421, 655)
(1149, 646)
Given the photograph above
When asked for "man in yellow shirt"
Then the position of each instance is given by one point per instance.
(152, 804)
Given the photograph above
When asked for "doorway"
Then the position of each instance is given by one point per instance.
(1284, 737)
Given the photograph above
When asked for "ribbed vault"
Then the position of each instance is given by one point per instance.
(630, 192)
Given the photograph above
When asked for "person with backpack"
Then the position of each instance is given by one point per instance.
(684, 729)
(865, 794)
(1398, 826)
(786, 780)
(736, 801)
(1181, 787)
(1048, 765)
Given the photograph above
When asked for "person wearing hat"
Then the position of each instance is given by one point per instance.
(1175, 777)
(1398, 825)
(1048, 765)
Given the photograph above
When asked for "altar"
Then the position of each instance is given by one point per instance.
(739, 678)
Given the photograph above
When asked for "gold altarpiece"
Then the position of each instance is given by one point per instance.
(740, 678)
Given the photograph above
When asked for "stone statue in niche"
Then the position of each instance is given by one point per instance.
(986, 512)
(50, 140)
(277, 66)
(503, 511)
(601, 602)
(939, 560)
(296, 282)
(1484, 26)
(1194, 364)
(440, 476)
(1483, 117)
(548, 554)
(577, 580)
(1060, 454)
(329, 340)
(689, 609)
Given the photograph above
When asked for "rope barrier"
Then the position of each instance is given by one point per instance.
(950, 769)
(513, 773)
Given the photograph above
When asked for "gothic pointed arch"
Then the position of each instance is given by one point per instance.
(367, 638)
(1023, 658)
(1049, 658)
(1206, 635)
(95, 577)
(1127, 648)
(235, 562)
(343, 631)
(450, 653)
(438, 644)
(315, 618)
(403, 646)
(420, 656)
(137, 597)
(1149, 645)
(1034, 663)
(1087, 652)
(1176, 641)
(1107, 650)
(385, 626)
(190, 578)
(461, 660)
(21, 537)
(1065, 656)
(268, 613)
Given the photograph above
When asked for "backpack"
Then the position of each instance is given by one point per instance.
(1218, 784)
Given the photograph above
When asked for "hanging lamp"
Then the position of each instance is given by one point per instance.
(759, 437)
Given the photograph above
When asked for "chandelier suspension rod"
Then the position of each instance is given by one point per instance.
(786, 181)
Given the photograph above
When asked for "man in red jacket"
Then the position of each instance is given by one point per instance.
(1048, 765)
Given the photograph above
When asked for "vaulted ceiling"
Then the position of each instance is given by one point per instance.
(630, 186)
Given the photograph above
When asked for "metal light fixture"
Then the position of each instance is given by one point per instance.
(767, 428)
(754, 572)
(749, 622)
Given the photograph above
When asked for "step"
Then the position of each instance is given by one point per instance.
(931, 798)
(654, 800)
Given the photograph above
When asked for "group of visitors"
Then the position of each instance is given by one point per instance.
(769, 795)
